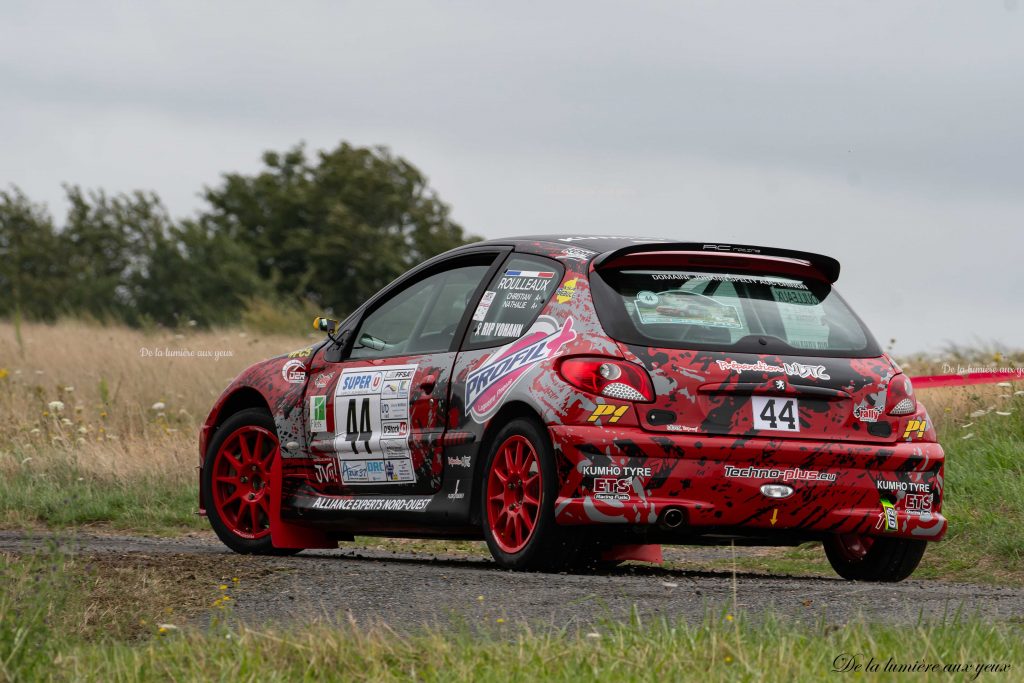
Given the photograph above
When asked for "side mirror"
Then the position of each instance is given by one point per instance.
(327, 325)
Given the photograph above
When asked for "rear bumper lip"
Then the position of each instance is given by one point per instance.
(838, 486)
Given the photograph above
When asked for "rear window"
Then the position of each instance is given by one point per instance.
(744, 312)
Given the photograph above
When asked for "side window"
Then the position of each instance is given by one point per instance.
(513, 300)
(421, 318)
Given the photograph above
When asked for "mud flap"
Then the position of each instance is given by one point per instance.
(286, 534)
(650, 552)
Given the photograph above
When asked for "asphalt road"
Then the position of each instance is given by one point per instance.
(410, 590)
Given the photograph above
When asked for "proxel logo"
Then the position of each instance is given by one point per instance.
(487, 386)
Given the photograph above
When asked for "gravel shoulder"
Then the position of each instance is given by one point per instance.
(408, 590)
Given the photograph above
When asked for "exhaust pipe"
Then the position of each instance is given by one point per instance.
(672, 518)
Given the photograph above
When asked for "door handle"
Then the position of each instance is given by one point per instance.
(428, 384)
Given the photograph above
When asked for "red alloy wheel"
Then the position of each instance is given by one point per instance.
(854, 547)
(241, 481)
(514, 494)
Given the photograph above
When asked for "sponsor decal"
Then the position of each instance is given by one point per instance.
(792, 369)
(610, 488)
(488, 384)
(399, 470)
(793, 474)
(565, 293)
(354, 472)
(485, 303)
(371, 504)
(889, 485)
(614, 471)
(887, 519)
(359, 382)
(318, 413)
(395, 430)
(376, 471)
(867, 414)
(463, 461)
(394, 409)
(323, 379)
(301, 353)
(919, 426)
(325, 471)
(456, 494)
(294, 372)
(722, 277)
(576, 254)
(681, 428)
(917, 503)
(686, 308)
(610, 413)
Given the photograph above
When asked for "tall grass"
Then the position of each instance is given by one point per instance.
(99, 424)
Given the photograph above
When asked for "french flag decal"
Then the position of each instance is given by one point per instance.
(529, 273)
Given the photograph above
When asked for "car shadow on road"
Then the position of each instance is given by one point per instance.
(488, 565)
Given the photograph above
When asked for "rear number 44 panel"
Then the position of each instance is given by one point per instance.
(778, 414)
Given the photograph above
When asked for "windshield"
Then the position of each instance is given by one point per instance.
(745, 312)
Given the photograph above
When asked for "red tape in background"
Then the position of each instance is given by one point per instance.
(933, 381)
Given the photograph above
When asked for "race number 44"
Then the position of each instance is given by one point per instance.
(778, 414)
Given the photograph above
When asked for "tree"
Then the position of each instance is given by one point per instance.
(32, 279)
(338, 229)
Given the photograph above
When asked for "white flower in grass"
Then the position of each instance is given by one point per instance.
(83, 430)
(55, 406)
(70, 390)
(159, 405)
(967, 436)
(66, 422)
(593, 634)
(969, 424)
(1004, 384)
(1018, 393)
(1004, 413)
(34, 431)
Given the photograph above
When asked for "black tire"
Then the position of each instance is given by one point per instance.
(886, 560)
(250, 417)
(549, 547)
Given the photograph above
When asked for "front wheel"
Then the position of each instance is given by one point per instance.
(873, 558)
(519, 489)
(236, 482)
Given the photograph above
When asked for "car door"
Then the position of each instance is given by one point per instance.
(376, 417)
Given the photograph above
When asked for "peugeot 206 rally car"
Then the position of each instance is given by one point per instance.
(577, 400)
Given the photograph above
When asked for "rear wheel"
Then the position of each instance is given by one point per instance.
(873, 558)
(236, 482)
(519, 489)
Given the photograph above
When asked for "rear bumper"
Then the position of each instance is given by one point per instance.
(629, 476)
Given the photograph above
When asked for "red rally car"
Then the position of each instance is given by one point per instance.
(576, 400)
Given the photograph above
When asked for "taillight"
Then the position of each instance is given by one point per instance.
(608, 377)
(900, 399)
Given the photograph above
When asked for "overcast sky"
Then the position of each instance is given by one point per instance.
(888, 134)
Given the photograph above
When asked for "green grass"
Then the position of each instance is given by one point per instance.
(54, 492)
(45, 600)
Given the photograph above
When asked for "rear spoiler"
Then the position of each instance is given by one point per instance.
(826, 265)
